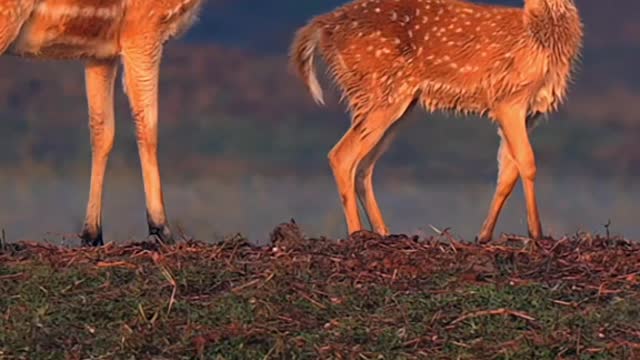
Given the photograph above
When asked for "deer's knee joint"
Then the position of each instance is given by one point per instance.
(103, 148)
(146, 140)
(334, 159)
(528, 170)
(102, 141)
(138, 115)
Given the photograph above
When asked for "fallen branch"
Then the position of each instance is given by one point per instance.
(501, 311)
(110, 264)
(245, 285)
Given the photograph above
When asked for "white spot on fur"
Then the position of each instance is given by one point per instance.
(76, 11)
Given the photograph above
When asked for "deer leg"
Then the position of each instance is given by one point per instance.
(142, 63)
(99, 79)
(384, 124)
(364, 184)
(342, 159)
(349, 157)
(514, 129)
(364, 189)
(507, 178)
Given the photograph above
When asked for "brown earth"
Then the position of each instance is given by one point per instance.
(368, 296)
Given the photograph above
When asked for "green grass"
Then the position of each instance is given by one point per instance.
(369, 299)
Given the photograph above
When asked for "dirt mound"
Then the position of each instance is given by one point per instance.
(316, 297)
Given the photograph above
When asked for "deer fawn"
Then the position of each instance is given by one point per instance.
(510, 64)
(101, 32)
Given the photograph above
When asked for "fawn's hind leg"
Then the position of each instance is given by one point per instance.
(99, 79)
(364, 185)
(364, 179)
(346, 159)
(342, 159)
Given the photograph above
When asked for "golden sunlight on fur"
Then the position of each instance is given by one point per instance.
(102, 33)
(510, 64)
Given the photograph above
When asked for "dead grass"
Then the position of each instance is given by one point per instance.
(363, 298)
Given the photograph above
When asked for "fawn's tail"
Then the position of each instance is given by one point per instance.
(301, 57)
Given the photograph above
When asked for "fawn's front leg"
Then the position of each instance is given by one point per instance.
(513, 125)
(507, 178)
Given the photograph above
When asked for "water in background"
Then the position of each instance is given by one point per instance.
(52, 209)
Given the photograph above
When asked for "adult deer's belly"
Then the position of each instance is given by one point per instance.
(60, 29)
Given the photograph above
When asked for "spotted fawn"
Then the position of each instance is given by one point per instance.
(506, 63)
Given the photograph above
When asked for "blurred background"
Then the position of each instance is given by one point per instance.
(243, 147)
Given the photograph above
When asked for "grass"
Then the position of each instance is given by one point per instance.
(298, 298)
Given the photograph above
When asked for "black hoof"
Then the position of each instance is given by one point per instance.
(161, 233)
(91, 238)
(483, 240)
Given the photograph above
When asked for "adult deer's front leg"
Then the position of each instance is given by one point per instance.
(99, 79)
(514, 130)
(142, 65)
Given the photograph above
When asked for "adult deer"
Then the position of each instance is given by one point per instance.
(101, 33)
(510, 64)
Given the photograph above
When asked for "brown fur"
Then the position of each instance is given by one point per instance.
(101, 33)
(447, 55)
(64, 29)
